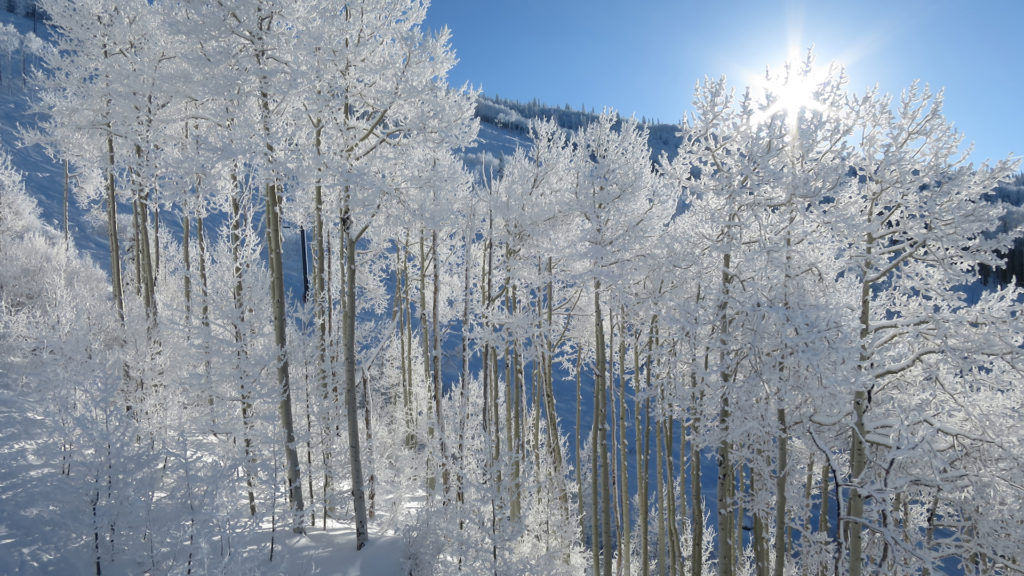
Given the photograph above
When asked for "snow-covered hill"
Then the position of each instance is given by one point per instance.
(511, 369)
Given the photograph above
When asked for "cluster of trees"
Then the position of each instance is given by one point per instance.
(756, 357)
(512, 114)
(200, 131)
(515, 117)
(20, 54)
(1011, 270)
(21, 7)
(789, 294)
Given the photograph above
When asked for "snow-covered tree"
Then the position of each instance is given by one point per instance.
(867, 207)
(793, 298)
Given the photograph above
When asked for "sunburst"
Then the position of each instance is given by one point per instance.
(791, 92)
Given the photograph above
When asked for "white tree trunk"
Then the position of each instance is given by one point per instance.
(348, 336)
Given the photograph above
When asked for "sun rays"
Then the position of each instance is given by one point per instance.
(790, 92)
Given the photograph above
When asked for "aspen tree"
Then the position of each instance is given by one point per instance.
(641, 426)
(237, 292)
(85, 80)
(917, 212)
(596, 533)
(435, 358)
(624, 509)
(600, 415)
(547, 358)
(726, 471)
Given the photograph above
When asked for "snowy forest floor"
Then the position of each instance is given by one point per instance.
(39, 508)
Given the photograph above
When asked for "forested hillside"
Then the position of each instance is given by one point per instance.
(281, 300)
(1011, 268)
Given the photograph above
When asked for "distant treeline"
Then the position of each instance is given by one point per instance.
(21, 7)
(515, 116)
(1012, 270)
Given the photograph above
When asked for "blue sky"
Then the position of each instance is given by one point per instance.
(645, 57)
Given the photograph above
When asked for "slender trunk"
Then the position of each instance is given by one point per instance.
(496, 445)
(134, 250)
(186, 240)
(204, 316)
(823, 526)
(204, 285)
(808, 491)
(435, 356)
(855, 506)
(512, 408)
(405, 324)
(67, 188)
(143, 248)
(611, 410)
(424, 330)
(241, 355)
(191, 506)
(371, 492)
(464, 375)
(930, 531)
(144, 257)
(625, 537)
(663, 557)
(272, 205)
(579, 453)
(320, 300)
(642, 419)
(696, 497)
(643, 488)
(554, 440)
(425, 345)
(349, 367)
(696, 482)
(536, 385)
(284, 408)
(490, 391)
(495, 404)
(485, 352)
(399, 313)
(781, 477)
(684, 513)
(740, 513)
(696, 475)
(601, 429)
(759, 539)
(112, 237)
(674, 540)
(858, 453)
(156, 243)
(595, 462)
(94, 502)
(726, 481)
(311, 502)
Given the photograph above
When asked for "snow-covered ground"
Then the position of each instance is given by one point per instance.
(191, 476)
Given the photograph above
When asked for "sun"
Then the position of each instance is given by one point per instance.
(789, 92)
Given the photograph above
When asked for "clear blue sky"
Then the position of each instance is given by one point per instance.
(644, 57)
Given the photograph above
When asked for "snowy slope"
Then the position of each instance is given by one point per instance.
(28, 511)
(44, 521)
(40, 506)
